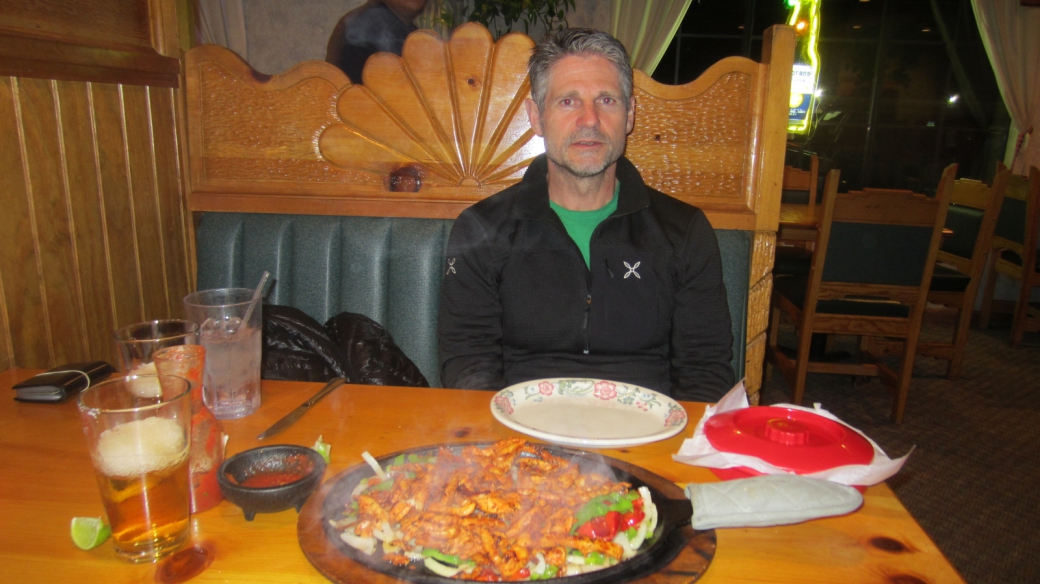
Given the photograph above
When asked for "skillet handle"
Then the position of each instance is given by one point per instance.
(674, 513)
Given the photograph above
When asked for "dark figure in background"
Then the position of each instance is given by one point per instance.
(581, 269)
(375, 27)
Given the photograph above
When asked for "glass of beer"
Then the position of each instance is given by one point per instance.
(139, 445)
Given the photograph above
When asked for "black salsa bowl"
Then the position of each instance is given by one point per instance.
(280, 460)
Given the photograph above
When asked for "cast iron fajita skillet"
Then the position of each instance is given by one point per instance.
(677, 552)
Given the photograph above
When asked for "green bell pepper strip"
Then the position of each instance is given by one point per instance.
(549, 573)
(443, 557)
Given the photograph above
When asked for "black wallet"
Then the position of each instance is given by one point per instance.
(61, 382)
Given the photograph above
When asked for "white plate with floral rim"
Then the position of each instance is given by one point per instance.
(590, 413)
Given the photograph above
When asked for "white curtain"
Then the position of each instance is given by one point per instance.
(646, 27)
(221, 22)
(1011, 34)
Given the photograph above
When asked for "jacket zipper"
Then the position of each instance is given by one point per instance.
(588, 310)
(588, 277)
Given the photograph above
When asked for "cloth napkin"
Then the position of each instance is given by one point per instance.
(698, 451)
(768, 500)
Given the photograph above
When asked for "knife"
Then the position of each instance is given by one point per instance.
(296, 414)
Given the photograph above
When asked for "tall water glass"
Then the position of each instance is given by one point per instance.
(139, 447)
(231, 382)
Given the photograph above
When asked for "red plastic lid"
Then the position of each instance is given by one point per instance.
(794, 440)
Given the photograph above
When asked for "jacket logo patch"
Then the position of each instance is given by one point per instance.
(451, 267)
(632, 271)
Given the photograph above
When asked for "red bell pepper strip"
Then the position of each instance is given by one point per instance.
(632, 519)
(604, 527)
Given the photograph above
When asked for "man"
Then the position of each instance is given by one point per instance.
(581, 270)
(377, 26)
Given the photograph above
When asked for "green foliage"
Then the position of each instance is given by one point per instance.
(504, 16)
(551, 14)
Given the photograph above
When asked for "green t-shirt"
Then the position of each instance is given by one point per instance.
(581, 224)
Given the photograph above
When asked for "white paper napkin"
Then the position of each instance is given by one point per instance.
(698, 451)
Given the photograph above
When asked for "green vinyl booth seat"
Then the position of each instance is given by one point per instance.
(388, 269)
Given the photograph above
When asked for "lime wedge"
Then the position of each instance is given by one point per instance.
(89, 532)
(323, 448)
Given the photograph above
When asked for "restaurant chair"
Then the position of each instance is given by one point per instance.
(961, 260)
(1014, 252)
(798, 210)
(798, 193)
(875, 254)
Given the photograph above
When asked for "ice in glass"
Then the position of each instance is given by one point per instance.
(231, 382)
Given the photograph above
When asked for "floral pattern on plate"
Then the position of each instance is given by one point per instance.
(530, 407)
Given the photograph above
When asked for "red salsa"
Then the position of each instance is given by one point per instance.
(269, 478)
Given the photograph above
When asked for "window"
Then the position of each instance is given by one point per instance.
(905, 91)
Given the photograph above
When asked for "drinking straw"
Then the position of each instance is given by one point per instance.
(256, 296)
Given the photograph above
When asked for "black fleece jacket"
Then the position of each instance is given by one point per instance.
(519, 303)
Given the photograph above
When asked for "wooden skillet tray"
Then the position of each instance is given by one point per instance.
(678, 554)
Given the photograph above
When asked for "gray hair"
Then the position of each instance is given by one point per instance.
(576, 41)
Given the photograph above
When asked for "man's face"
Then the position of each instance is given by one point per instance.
(585, 120)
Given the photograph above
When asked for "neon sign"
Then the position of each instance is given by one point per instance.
(805, 19)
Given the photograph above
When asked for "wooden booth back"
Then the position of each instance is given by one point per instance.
(443, 126)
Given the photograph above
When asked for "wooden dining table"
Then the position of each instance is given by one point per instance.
(48, 480)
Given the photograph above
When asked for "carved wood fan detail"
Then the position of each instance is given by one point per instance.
(444, 113)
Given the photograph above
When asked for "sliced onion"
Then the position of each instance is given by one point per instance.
(360, 488)
(383, 532)
(366, 545)
(375, 465)
(539, 566)
(651, 521)
(413, 555)
(627, 549)
(650, 510)
(638, 539)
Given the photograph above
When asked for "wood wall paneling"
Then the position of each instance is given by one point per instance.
(49, 214)
(88, 223)
(93, 232)
(93, 235)
(174, 222)
(144, 204)
(119, 239)
(18, 267)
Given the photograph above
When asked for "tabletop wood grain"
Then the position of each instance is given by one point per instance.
(47, 480)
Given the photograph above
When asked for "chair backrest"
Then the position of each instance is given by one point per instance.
(1019, 215)
(799, 192)
(879, 243)
(972, 219)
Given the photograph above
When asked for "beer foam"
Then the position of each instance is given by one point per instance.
(140, 447)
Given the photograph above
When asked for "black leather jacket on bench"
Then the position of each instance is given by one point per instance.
(519, 303)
